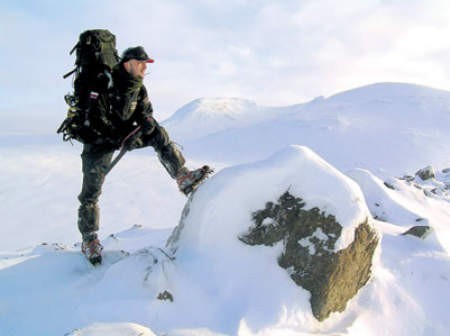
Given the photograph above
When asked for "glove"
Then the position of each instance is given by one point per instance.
(134, 139)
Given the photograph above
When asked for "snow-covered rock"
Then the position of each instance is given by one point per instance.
(237, 210)
(240, 190)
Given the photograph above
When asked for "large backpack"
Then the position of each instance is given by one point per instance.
(87, 118)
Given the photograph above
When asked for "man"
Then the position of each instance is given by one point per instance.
(131, 124)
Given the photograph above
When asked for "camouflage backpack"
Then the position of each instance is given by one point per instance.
(87, 117)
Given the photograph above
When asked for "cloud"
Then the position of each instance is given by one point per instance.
(276, 53)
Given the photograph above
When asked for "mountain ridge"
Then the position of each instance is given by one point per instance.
(411, 117)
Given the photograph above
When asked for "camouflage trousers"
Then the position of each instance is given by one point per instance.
(97, 158)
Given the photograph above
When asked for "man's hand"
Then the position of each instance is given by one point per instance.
(134, 139)
(148, 125)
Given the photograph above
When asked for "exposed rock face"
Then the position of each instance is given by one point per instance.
(309, 237)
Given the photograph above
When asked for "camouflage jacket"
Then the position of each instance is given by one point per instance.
(128, 103)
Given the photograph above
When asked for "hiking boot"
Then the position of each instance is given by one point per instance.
(189, 180)
(92, 251)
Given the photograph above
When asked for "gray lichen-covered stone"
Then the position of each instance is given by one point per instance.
(389, 185)
(420, 231)
(309, 238)
(407, 178)
(426, 173)
(165, 296)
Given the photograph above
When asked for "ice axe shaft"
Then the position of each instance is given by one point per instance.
(122, 152)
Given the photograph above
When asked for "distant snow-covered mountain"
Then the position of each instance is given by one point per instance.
(391, 127)
(206, 116)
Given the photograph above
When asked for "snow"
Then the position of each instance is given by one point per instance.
(407, 206)
(308, 242)
(346, 154)
(113, 329)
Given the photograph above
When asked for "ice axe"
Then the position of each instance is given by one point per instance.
(123, 149)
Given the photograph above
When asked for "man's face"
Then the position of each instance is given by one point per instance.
(136, 68)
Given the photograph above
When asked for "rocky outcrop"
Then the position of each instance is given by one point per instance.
(433, 183)
(309, 238)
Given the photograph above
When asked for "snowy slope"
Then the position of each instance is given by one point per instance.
(220, 286)
(386, 127)
(40, 185)
(371, 134)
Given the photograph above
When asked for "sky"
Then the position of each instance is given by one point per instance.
(275, 53)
